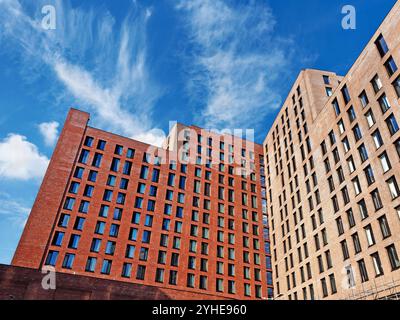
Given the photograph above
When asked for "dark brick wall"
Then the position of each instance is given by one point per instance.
(17, 283)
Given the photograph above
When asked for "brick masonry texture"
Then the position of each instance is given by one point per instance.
(230, 216)
(305, 182)
(17, 283)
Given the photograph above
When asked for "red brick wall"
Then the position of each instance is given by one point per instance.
(33, 243)
(42, 224)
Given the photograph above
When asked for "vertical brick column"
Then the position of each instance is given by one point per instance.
(32, 245)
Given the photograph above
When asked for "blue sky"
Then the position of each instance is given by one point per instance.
(136, 65)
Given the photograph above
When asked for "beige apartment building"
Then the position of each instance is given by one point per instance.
(332, 176)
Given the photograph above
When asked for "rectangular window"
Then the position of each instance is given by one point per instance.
(363, 271)
(396, 85)
(346, 94)
(393, 187)
(381, 45)
(392, 124)
(376, 83)
(370, 118)
(384, 103)
(376, 261)
(364, 99)
(393, 257)
(384, 225)
(390, 66)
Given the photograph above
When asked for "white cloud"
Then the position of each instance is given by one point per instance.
(21, 159)
(101, 64)
(49, 131)
(13, 210)
(236, 61)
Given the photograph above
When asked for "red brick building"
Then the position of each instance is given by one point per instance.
(190, 216)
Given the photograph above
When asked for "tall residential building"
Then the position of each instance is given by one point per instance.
(332, 177)
(190, 216)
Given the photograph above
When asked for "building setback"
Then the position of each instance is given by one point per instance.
(190, 216)
(332, 174)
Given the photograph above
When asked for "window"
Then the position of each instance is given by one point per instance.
(324, 288)
(78, 172)
(345, 250)
(381, 45)
(384, 225)
(159, 275)
(362, 150)
(339, 224)
(369, 235)
(83, 158)
(92, 176)
(393, 257)
(110, 247)
(130, 251)
(363, 270)
(140, 272)
(326, 79)
(69, 203)
(51, 258)
(91, 264)
(58, 237)
(130, 154)
(390, 66)
(126, 270)
(95, 246)
(396, 85)
(350, 218)
(64, 219)
(333, 283)
(74, 241)
(392, 124)
(97, 160)
(377, 139)
(369, 175)
(357, 132)
(350, 163)
(351, 114)
(384, 103)
(376, 261)
(88, 141)
(376, 83)
(393, 187)
(364, 99)
(363, 209)
(115, 164)
(101, 145)
(356, 243)
(341, 126)
(332, 138)
(346, 94)
(107, 196)
(336, 107)
(385, 162)
(376, 199)
(329, 91)
(68, 261)
(111, 180)
(84, 206)
(370, 118)
(144, 172)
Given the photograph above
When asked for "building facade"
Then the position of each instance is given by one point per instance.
(189, 216)
(332, 173)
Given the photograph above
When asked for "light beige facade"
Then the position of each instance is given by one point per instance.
(332, 175)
